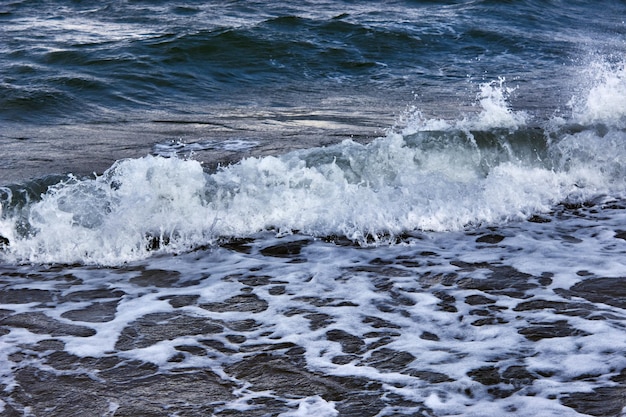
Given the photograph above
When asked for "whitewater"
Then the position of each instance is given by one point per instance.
(487, 168)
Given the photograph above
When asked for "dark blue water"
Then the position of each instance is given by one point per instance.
(64, 62)
(325, 209)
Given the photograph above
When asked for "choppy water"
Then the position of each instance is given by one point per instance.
(321, 209)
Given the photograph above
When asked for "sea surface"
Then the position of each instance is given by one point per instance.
(313, 209)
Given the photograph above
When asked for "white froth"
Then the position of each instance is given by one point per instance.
(314, 406)
(332, 274)
(181, 148)
(112, 218)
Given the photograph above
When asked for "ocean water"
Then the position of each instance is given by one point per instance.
(319, 209)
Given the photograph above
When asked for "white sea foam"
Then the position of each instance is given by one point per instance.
(344, 283)
(180, 148)
(313, 407)
(108, 218)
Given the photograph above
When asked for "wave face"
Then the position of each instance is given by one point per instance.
(493, 165)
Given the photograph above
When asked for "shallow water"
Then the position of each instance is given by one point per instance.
(523, 319)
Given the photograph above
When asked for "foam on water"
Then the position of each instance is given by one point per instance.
(432, 175)
(178, 148)
(422, 321)
(312, 407)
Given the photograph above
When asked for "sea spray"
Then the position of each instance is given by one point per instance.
(603, 98)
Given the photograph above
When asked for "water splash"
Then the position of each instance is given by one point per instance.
(494, 112)
(603, 100)
(431, 174)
